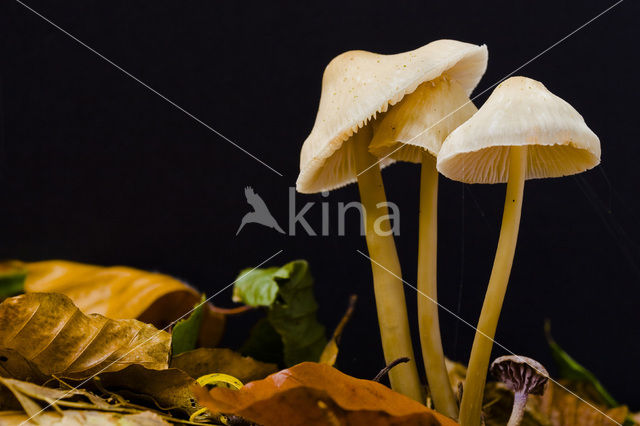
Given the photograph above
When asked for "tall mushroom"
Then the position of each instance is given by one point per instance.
(413, 131)
(523, 131)
(356, 86)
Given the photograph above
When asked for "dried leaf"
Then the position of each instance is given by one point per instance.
(121, 292)
(330, 352)
(556, 407)
(83, 418)
(184, 335)
(204, 361)
(26, 394)
(564, 409)
(318, 394)
(166, 389)
(46, 334)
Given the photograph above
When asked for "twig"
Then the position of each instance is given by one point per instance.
(392, 364)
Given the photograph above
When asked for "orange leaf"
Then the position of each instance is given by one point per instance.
(120, 292)
(318, 394)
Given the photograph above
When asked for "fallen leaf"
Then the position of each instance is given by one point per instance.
(46, 334)
(184, 335)
(26, 394)
(318, 394)
(330, 353)
(120, 292)
(564, 409)
(556, 407)
(166, 389)
(204, 361)
(12, 277)
(31, 398)
(287, 294)
(83, 418)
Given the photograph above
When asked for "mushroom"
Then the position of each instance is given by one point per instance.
(523, 131)
(356, 87)
(524, 376)
(413, 131)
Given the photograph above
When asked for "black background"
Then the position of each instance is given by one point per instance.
(96, 168)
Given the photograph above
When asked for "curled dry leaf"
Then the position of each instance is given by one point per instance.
(121, 292)
(204, 361)
(46, 334)
(318, 394)
(83, 418)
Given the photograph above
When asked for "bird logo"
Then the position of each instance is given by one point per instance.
(260, 213)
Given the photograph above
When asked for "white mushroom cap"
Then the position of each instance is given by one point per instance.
(357, 85)
(422, 121)
(519, 112)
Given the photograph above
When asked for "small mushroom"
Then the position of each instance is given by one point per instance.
(357, 86)
(524, 376)
(523, 131)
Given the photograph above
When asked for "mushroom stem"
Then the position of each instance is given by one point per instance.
(431, 342)
(387, 284)
(471, 406)
(517, 412)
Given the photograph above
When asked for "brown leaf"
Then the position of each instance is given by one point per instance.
(564, 409)
(84, 417)
(26, 394)
(203, 361)
(318, 394)
(46, 334)
(120, 292)
(168, 389)
(556, 407)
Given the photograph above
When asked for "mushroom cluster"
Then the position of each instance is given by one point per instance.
(415, 107)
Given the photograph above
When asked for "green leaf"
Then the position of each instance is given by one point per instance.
(568, 368)
(256, 287)
(12, 278)
(264, 343)
(184, 335)
(287, 294)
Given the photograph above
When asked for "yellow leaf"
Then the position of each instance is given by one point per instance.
(46, 334)
(120, 292)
